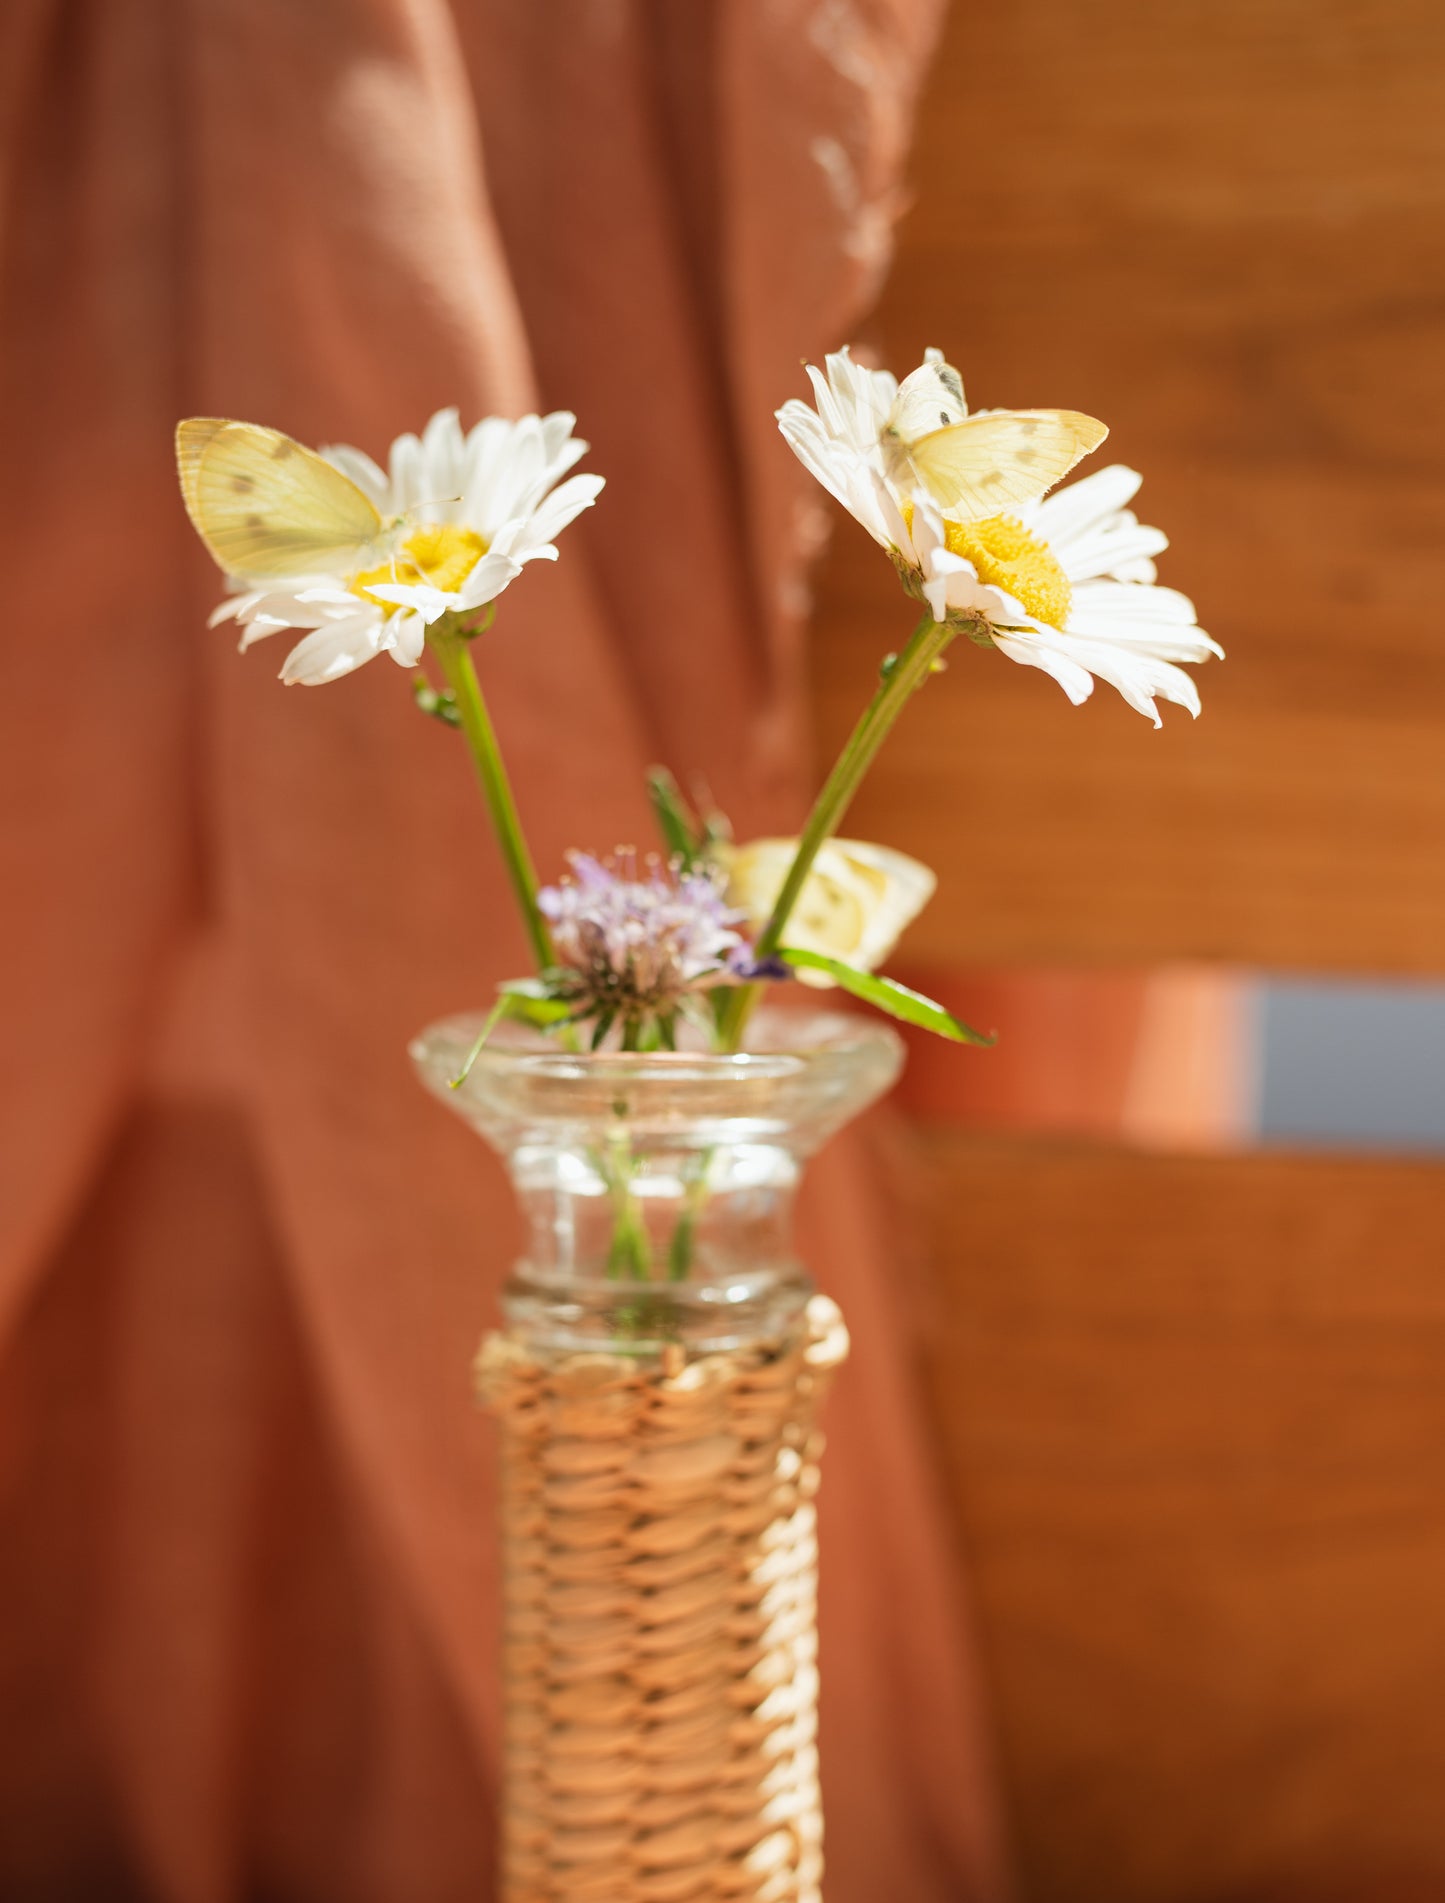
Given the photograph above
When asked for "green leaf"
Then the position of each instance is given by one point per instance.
(717, 830)
(490, 1023)
(602, 1026)
(530, 1001)
(888, 995)
(534, 1001)
(524, 1001)
(540, 1013)
(676, 821)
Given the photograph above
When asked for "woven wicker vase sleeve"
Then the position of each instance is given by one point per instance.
(660, 1645)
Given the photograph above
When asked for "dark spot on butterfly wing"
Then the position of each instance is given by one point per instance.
(242, 485)
(281, 449)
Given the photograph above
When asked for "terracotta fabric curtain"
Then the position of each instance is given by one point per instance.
(247, 1624)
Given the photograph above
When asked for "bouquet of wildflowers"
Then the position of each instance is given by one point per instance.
(645, 951)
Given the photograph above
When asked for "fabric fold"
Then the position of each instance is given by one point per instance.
(336, 220)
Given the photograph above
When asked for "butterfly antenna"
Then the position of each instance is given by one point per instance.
(430, 502)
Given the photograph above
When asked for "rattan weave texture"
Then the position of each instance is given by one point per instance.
(660, 1651)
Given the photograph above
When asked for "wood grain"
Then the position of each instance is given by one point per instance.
(1192, 1408)
(1194, 1417)
(1217, 227)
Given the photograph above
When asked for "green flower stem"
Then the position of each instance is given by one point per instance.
(902, 678)
(630, 1252)
(684, 1234)
(453, 652)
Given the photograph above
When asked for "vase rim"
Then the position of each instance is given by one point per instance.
(796, 1061)
(784, 1042)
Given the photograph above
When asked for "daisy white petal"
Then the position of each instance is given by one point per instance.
(557, 428)
(1138, 676)
(356, 464)
(953, 584)
(333, 650)
(487, 448)
(233, 608)
(1025, 646)
(815, 448)
(514, 545)
(557, 466)
(322, 594)
(953, 587)
(1167, 633)
(257, 629)
(420, 598)
(518, 477)
(853, 401)
(1071, 512)
(564, 505)
(1128, 601)
(294, 606)
(491, 575)
(845, 473)
(559, 446)
(1106, 550)
(1142, 570)
(444, 457)
(405, 638)
(408, 474)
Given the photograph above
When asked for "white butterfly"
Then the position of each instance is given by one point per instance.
(267, 507)
(855, 903)
(977, 466)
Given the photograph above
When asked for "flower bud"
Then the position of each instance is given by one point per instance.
(855, 904)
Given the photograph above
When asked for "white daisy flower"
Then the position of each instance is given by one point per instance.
(840, 443)
(474, 510)
(1066, 584)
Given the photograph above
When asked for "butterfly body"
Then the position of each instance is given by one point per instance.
(983, 465)
(268, 508)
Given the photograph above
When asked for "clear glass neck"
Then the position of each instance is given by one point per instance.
(657, 1190)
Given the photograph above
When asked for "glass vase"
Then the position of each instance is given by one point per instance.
(657, 1379)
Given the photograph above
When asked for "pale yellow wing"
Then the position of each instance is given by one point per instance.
(1001, 459)
(267, 507)
(193, 438)
(929, 398)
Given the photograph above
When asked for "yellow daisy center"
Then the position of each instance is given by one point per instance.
(442, 553)
(1007, 556)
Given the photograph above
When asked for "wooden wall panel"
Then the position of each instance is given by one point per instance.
(1195, 1418)
(1218, 226)
(1194, 1409)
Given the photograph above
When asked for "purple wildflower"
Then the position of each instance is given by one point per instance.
(636, 942)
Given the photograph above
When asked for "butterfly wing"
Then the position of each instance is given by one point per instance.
(1000, 459)
(929, 398)
(267, 507)
(193, 438)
